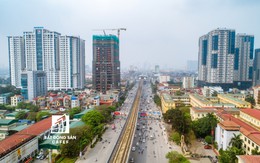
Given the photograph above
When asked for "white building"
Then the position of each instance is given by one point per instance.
(188, 82)
(74, 102)
(61, 57)
(96, 101)
(164, 78)
(257, 96)
(16, 59)
(216, 56)
(16, 99)
(3, 100)
(34, 83)
(224, 132)
(209, 91)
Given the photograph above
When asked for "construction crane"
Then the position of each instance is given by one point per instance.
(116, 29)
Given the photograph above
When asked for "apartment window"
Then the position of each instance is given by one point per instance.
(248, 141)
(253, 144)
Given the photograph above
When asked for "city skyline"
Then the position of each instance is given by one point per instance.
(163, 34)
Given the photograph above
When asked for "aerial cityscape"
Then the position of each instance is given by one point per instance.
(113, 81)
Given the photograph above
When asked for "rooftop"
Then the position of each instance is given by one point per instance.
(208, 110)
(252, 112)
(19, 138)
(201, 98)
(167, 97)
(7, 121)
(233, 99)
(249, 158)
(229, 125)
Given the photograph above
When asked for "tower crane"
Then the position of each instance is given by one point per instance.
(115, 29)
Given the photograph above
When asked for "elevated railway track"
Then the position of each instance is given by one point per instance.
(122, 149)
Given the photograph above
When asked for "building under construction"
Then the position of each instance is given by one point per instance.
(106, 64)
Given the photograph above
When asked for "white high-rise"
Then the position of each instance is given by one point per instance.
(61, 57)
(72, 62)
(216, 57)
(17, 59)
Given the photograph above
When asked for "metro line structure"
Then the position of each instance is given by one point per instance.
(122, 150)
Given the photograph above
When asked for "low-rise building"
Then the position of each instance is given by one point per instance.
(167, 102)
(251, 115)
(224, 132)
(257, 96)
(74, 102)
(5, 126)
(184, 99)
(234, 99)
(16, 99)
(199, 101)
(209, 91)
(197, 112)
(23, 145)
(188, 82)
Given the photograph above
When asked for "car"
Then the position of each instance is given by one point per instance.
(132, 160)
(207, 147)
(39, 156)
(143, 140)
(42, 157)
(137, 144)
(133, 149)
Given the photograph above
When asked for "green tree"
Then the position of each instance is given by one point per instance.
(74, 146)
(250, 99)
(255, 152)
(175, 157)
(236, 141)
(176, 137)
(180, 121)
(229, 155)
(203, 126)
(157, 100)
(74, 111)
(32, 116)
(93, 118)
(41, 114)
(20, 115)
(208, 139)
(25, 105)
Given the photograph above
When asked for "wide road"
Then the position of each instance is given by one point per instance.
(102, 151)
(150, 141)
(122, 150)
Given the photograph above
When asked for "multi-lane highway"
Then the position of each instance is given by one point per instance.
(150, 142)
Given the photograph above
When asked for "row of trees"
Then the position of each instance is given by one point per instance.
(95, 121)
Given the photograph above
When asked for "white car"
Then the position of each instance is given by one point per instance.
(133, 149)
(137, 144)
(143, 140)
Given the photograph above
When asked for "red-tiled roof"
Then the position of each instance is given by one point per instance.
(246, 129)
(252, 112)
(249, 158)
(23, 136)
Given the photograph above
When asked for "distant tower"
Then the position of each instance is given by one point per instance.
(16, 59)
(216, 58)
(157, 69)
(106, 64)
(256, 78)
(243, 60)
(33, 83)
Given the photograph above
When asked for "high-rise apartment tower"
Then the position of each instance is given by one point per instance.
(106, 64)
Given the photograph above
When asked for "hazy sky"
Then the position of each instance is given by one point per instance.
(163, 32)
